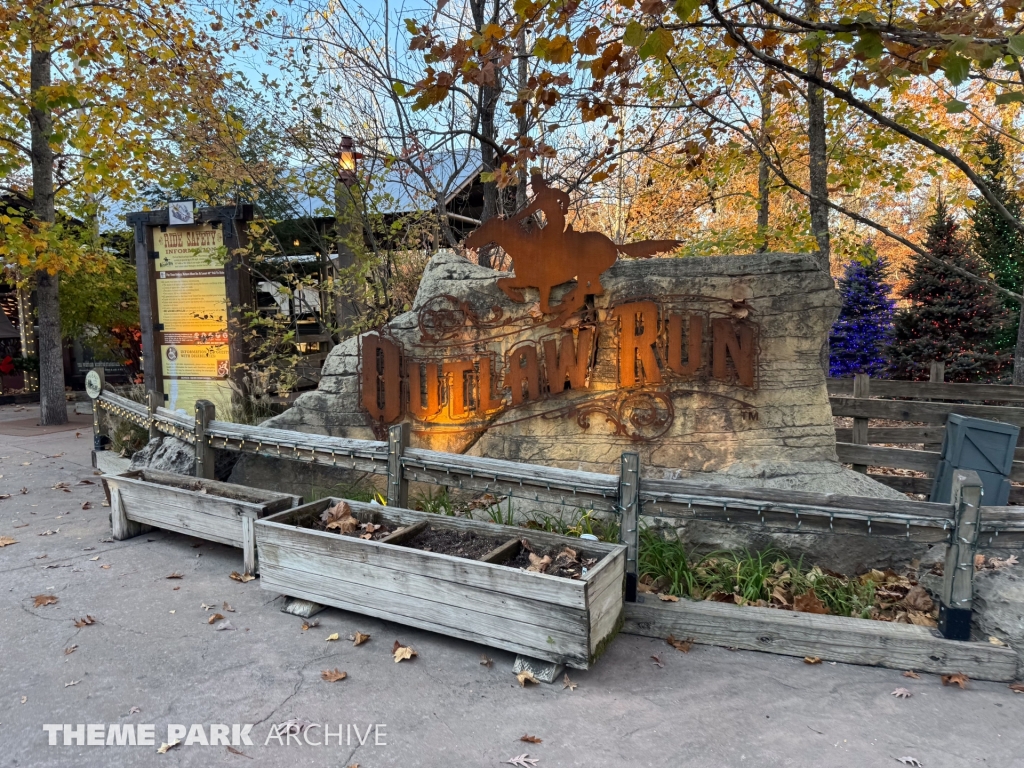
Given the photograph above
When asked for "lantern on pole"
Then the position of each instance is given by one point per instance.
(347, 157)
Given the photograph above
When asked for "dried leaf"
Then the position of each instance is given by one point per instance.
(530, 739)
(41, 600)
(70, 649)
(402, 652)
(87, 621)
(164, 747)
(911, 674)
(658, 662)
(73, 682)
(134, 711)
(86, 505)
(6, 541)
(979, 562)
(486, 661)
(668, 598)
(234, 751)
(105, 567)
(921, 619)
(522, 761)
(242, 577)
(680, 645)
(359, 638)
(917, 599)
(331, 638)
(1017, 687)
(539, 564)
(215, 617)
(86, 482)
(812, 660)
(901, 693)
(567, 683)
(310, 623)
(997, 641)
(224, 625)
(94, 559)
(333, 675)
(809, 603)
(526, 676)
(228, 608)
(339, 518)
(48, 532)
(909, 761)
(295, 726)
(175, 575)
(957, 678)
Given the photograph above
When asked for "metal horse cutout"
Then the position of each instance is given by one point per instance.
(556, 253)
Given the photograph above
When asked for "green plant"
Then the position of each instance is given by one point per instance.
(499, 516)
(660, 558)
(128, 438)
(841, 595)
(578, 522)
(435, 502)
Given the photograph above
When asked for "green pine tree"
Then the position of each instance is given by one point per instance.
(996, 241)
(949, 318)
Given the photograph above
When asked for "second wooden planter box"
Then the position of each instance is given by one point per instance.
(206, 509)
(565, 620)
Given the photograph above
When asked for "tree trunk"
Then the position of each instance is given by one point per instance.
(763, 172)
(487, 106)
(818, 151)
(524, 119)
(1018, 353)
(52, 404)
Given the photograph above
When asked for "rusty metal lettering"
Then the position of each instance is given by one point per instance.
(417, 390)
(485, 399)
(638, 333)
(569, 359)
(523, 372)
(382, 378)
(455, 374)
(736, 340)
(694, 344)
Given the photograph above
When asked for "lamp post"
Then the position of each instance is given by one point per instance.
(346, 224)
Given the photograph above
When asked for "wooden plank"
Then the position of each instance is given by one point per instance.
(248, 547)
(898, 435)
(629, 518)
(206, 459)
(906, 483)
(272, 500)
(929, 413)
(120, 526)
(402, 535)
(957, 595)
(877, 456)
(503, 552)
(932, 391)
(833, 638)
(861, 388)
(398, 484)
(605, 592)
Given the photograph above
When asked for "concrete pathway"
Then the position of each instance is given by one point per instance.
(152, 658)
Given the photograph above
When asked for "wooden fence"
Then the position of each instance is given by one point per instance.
(631, 498)
(925, 404)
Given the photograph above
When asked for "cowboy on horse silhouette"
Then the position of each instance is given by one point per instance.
(555, 254)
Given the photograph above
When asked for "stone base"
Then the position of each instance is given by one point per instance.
(302, 608)
(544, 671)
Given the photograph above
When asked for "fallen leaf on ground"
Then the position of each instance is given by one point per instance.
(910, 761)
(901, 693)
(73, 682)
(809, 603)
(996, 641)
(215, 617)
(917, 599)
(539, 564)
(134, 711)
(70, 649)
(48, 532)
(86, 505)
(957, 678)
(242, 577)
(310, 623)
(224, 625)
(164, 747)
(332, 637)
(227, 608)
(531, 739)
(94, 559)
(6, 540)
(359, 638)
(234, 751)
(668, 598)
(658, 662)
(105, 567)
(333, 675)
(86, 482)
(42, 600)
(85, 622)
(680, 645)
(1017, 687)
(24, 699)
(23, 491)
(295, 726)
(812, 660)
(526, 676)
(486, 661)
(339, 518)
(175, 575)
(567, 683)
(912, 674)
(523, 761)
(402, 652)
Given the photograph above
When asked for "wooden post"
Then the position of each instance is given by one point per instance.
(861, 388)
(629, 522)
(957, 593)
(205, 456)
(937, 373)
(121, 527)
(398, 486)
(248, 546)
(153, 399)
(95, 383)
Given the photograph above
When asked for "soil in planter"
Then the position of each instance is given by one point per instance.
(566, 562)
(456, 543)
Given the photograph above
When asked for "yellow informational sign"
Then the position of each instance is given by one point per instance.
(183, 393)
(191, 248)
(192, 304)
(187, 360)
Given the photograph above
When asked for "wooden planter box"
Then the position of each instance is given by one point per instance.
(557, 619)
(206, 509)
